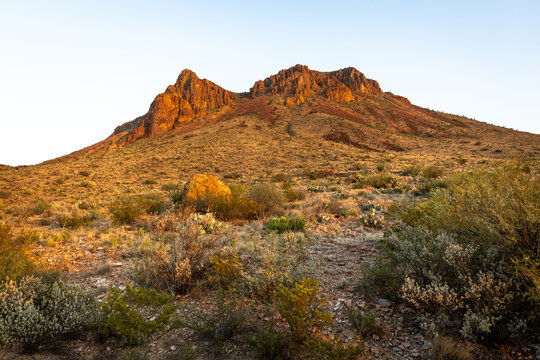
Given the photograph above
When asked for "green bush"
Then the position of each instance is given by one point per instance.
(151, 203)
(275, 260)
(283, 224)
(300, 306)
(121, 314)
(271, 344)
(126, 209)
(237, 206)
(269, 197)
(34, 312)
(14, 261)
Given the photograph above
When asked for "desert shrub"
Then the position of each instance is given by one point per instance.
(430, 186)
(149, 181)
(379, 278)
(295, 194)
(444, 348)
(126, 209)
(276, 260)
(14, 261)
(237, 206)
(463, 286)
(364, 322)
(40, 206)
(269, 343)
(319, 174)
(432, 172)
(34, 312)
(300, 306)
(497, 209)
(151, 203)
(74, 222)
(380, 167)
(130, 315)
(228, 319)
(268, 196)
(283, 224)
(280, 177)
(180, 260)
(382, 180)
(412, 170)
(226, 268)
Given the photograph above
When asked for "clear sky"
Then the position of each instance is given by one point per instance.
(71, 71)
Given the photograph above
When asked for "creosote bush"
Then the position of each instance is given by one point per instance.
(121, 315)
(269, 197)
(126, 209)
(34, 312)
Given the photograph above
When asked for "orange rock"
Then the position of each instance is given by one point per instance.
(188, 98)
(298, 82)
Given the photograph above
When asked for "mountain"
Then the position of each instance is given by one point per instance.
(340, 109)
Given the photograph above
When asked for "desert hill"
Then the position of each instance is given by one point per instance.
(339, 109)
(328, 157)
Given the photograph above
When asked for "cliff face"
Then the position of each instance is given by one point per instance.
(188, 98)
(299, 82)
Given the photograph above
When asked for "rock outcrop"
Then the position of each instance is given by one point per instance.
(297, 83)
(188, 98)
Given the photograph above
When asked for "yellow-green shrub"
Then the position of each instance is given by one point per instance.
(301, 308)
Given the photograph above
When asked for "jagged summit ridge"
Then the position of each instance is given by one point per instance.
(298, 82)
(191, 97)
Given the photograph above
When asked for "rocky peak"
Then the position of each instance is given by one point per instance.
(298, 82)
(188, 98)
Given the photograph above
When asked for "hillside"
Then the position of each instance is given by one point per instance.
(331, 158)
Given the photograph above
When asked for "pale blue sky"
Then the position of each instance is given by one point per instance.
(71, 71)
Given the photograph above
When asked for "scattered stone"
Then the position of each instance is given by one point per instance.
(173, 348)
(383, 302)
